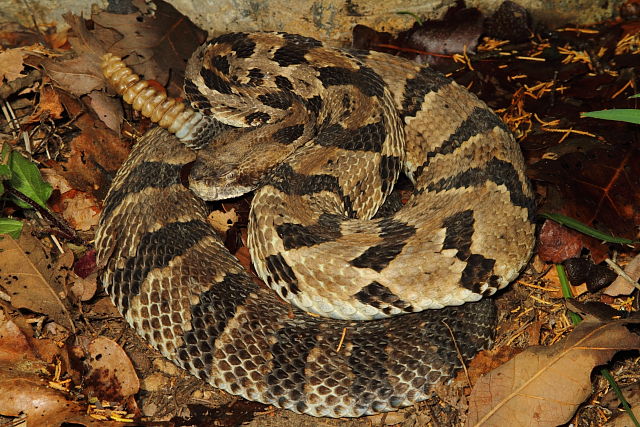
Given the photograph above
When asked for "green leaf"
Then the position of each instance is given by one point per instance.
(12, 227)
(577, 225)
(629, 115)
(5, 171)
(26, 179)
(413, 15)
(637, 95)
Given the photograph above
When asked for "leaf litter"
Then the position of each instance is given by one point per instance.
(539, 81)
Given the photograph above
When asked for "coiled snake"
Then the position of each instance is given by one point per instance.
(322, 135)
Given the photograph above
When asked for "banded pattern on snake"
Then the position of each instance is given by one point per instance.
(321, 134)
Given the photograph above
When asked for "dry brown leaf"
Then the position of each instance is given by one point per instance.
(222, 221)
(49, 105)
(111, 374)
(155, 45)
(30, 278)
(77, 76)
(108, 109)
(14, 345)
(17, 343)
(621, 286)
(81, 209)
(84, 288)
(11, 64)
(95, 154)
(543, 386)
(25, 393)
(81, 74)
(620, 418)
(24, 387)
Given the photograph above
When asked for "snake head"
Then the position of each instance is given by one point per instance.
(234, 164)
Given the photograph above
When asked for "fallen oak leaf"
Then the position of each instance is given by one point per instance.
(95, 152)
(156, 45)
(49, 105)
(28, 275)
(78, 76)
(107, 108)
(11, 64)
(25, 389)
(543, 386)
(622, 286)
(109, 375)
(222, 221)
(81, 74)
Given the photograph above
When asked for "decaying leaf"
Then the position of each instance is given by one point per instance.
(222, 221)
(77, 76)
(80, 209)
(543, 386)
(84, 288)
(110, 374)
(30, 278)
(96, 152)
(11, 64)
(599, 187)
(26, 388)
(146, 40)
(49, 105)
(621, 286)
(107, 108)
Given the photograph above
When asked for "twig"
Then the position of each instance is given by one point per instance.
(459, 353)
(620, 272)
(344, 333)
(9, 88)
(7, 116)
(16, 124)
(66, 231)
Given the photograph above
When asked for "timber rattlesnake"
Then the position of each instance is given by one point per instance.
(340, 126)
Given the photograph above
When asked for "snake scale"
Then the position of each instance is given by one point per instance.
(321, 135)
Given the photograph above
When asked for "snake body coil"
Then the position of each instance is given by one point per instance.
(321, 134)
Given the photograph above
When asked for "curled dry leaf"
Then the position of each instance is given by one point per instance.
(80, 209)
(543, 386)
(49, 105)
(31, 278)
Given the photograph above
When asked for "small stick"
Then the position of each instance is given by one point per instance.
(67, 231)
(459, 353)
(620, 272)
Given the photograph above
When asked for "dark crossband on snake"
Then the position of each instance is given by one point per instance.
(383, 308)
